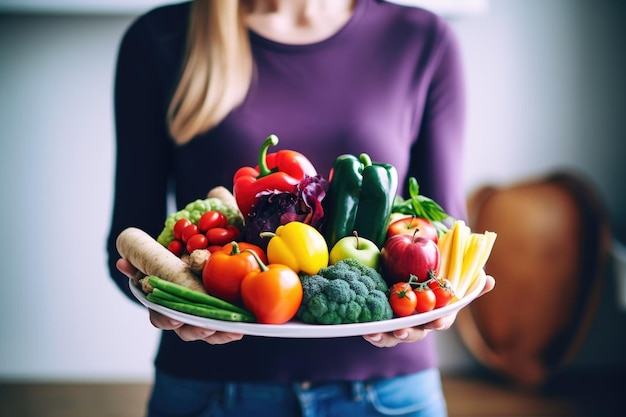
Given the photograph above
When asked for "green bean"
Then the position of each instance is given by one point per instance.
(193, 296)
(201, 310)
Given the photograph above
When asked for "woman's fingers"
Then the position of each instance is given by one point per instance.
(391, 339)
(126, 267)
(190, 333)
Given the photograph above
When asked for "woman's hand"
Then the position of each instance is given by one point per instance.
(415, 334)
(186, 332)
(190, 333)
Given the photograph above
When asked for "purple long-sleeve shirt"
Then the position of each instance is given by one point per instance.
(389, 84)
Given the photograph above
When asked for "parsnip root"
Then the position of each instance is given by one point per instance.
(152, 258)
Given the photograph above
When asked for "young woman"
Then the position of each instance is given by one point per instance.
(199, 85)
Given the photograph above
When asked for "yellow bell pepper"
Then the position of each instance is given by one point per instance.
(299, 246)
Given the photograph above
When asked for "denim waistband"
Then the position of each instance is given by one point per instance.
(304, 391)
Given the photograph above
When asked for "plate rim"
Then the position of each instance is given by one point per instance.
(298, 329)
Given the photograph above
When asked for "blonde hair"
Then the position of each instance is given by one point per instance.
(217, 70)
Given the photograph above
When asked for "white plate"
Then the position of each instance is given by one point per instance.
(297, 329)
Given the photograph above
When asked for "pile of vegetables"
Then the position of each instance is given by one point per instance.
(289, 243)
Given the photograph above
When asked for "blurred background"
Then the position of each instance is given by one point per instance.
(546, 90)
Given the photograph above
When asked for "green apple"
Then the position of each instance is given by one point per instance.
(359, 248)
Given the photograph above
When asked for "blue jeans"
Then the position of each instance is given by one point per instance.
(415, 395)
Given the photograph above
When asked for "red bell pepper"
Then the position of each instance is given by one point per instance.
(281, 171)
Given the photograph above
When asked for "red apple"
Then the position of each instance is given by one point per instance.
(411, 225)
(405, 255)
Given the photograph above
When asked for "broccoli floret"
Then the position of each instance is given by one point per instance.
(346, 292)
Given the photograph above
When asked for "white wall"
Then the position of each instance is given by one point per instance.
(545, 89)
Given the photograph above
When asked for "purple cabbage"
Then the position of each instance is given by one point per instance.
(275, 208)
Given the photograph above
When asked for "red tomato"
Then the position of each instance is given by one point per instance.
(417, 226)
(197, 241)
(443, 291)
(426, 299)
(222, 235)
(179, 226)
(189, 231)
(176, 247)
(214, 248)
(212, 219)
(402, 299)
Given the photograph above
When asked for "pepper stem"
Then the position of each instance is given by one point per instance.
(365, 159)
(258, 260)
(234, 248)
(271, 140)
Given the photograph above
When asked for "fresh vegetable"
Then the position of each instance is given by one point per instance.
(442, 289)
(222, 235)
(464, 255)
(299, 246)
(195, 242)
(179, 226)
(224, 271)
(280, 171)
(346, 292)
(188, 231)
(273, 294)
(197, 260)
(189, 301)
(176, 247)
(360, 198)
(194, 210)
(410, 225)
(364, 250)
(426, 298)
(275, 208)
(421, 206)
(212, 229)
(228, 248)
(406, 255)
(402, 299)
(212, 219)
(151, 258)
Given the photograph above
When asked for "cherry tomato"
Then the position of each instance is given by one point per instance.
(426, 298)
(443, 291)
(189, 231)
(176, 247)
(179, 226)
(222, 235)
(403, 299)
(214, 248)
(212, 219)
(197, 241)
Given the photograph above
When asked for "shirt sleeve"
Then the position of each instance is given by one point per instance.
(437, 155)
(143, 148)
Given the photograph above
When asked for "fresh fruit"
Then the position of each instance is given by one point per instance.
(403, 299)
(442, 289)
(359, 248)
(426, 298)
(411, 225)
(406, 255)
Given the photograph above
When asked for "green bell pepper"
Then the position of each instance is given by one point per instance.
(359, 199)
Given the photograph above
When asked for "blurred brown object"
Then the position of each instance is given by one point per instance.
(548, 261)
